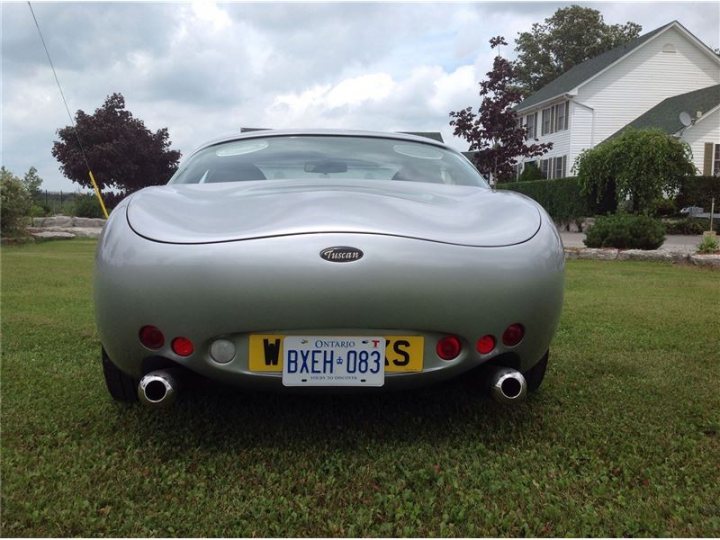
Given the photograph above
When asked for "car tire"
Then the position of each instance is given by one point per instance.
(122, 387)
(535, 375)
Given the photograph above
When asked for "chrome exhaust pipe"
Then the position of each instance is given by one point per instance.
(507, 385)
(158, 388)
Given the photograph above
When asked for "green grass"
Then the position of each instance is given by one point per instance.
(623, 438)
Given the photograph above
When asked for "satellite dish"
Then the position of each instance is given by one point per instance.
(685, 119)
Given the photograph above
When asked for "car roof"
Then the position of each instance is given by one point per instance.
(320, 132)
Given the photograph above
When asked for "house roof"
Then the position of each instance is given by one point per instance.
(666, 114)
(580, 73)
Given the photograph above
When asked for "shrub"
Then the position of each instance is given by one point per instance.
(664, 207)
(690, 226)
(530, 173)
(709, 244)
(39, 210)
(88, 206)
(16, 203)
(561, 198)
(625, 231)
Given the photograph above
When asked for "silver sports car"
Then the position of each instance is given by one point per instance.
(326, 261)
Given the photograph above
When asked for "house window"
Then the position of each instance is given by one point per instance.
(554, 167)
(530, 124)
(555, 118)
(711, 159)
(547, 121)
(544, 165)
(561, 116)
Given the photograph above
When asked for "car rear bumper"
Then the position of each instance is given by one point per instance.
(281, 285)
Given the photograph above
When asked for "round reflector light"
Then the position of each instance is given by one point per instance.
(485, 344)
(513, 334)
(222, 351)
(182, 346)
(448, 347)
(151, 337)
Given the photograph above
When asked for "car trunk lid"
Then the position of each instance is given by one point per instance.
(225, 212)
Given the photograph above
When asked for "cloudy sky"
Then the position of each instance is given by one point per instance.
(206, 69)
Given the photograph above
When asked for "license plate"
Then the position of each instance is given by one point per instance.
(402, 353)
(333, 361)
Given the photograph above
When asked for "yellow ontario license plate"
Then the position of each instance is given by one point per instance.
(402, 353)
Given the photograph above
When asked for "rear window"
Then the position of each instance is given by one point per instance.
(333, 157)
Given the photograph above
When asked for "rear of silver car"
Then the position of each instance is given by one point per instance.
(239, 281)
(244, 293)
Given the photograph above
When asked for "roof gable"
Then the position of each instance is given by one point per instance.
(666, 114)
(582, 73)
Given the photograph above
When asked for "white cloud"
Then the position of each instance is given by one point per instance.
(209, 12)
(206, 69)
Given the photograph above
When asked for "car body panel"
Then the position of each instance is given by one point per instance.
(463, 215)
(282, 285)
(227, 261)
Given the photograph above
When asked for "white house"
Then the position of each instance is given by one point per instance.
(598, 98)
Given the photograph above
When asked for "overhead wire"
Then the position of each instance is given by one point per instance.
(67, 109)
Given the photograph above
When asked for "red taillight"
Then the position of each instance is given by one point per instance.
(151, 337)
(448, 347)
(513, 334)
(182, 346)
(485, 344)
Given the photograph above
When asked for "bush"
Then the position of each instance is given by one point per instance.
(531, 173)
(39, 210)
(561, 198)
(664, 207)
(690, 226)
(698, 191)
(88, 206)
(16, 203)
(625, 231)
(708, 244)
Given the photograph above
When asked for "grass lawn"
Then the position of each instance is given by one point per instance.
(623, 438)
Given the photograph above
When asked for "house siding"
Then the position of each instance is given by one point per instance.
(560, 139)
(628, 89)
(707, 130)
(581, 120)
(645, 78)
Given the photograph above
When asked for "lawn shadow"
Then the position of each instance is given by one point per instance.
(220, 417)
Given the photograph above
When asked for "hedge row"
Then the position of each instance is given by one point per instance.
(698, 191)
(561, 198)
(564, 201)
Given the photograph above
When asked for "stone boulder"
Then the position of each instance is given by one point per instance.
(88, 222)
(651, 255)
(701, 259)
(52, 235)
(54, 221)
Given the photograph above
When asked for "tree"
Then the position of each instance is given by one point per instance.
(494, 132)
(32, 182)
(639, 164)
(15, 201)
(121, 151)
(571, 36)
